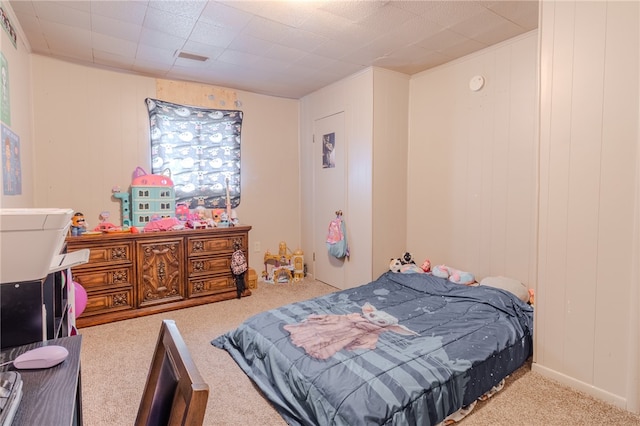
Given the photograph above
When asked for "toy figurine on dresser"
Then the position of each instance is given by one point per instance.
(78, 224)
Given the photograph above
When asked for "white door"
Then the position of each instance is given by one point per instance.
(329, 171)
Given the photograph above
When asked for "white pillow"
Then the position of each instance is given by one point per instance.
(514, 286)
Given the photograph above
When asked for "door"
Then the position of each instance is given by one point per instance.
(329, 171)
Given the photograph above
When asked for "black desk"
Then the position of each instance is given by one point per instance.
(51, 396)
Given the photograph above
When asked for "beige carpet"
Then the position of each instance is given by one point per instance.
(115, 360)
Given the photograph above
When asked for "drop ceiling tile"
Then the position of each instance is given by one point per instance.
(114, 45)
(283, 53)
(160, 40)
(23, 8)
(211, 34)
(153, 54)
(189, 9)
(264, 29)
(115, 28)
(129, 11)
(248, 44)
(325, 24)
(464, 47)
(168, 23)
(352, 10)
(83, 6)
(62, 14)
(238, 58)
(60, 35)
(313, 61)
(225, 16)
(292, 14)
(112, 60)
(448, 13)
(302, 40)
(497, 33)
(416, 28)
(75, 53)
(523, 12)
(386, 18)
(441, 40)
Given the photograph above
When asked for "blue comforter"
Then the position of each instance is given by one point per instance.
(405, 349)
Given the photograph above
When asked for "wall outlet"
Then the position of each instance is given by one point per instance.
(257, 247)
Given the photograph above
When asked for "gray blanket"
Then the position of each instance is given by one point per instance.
(406, 349)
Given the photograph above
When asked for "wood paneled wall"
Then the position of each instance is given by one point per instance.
(589, 142)
(472, 163)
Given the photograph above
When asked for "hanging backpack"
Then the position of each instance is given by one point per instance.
(337, 239)
(238, 262)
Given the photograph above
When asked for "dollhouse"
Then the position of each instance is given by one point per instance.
(152, 197)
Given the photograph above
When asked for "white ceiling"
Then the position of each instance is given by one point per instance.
(280, 48)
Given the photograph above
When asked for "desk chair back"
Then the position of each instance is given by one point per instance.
(175, 392)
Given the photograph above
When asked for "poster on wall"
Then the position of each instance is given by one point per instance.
(5, 104)
(328, 151)
(11, 168)
(8, 26)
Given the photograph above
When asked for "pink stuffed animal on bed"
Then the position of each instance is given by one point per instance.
(426, 265)
(453, 275)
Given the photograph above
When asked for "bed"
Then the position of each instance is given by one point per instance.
(405, 349)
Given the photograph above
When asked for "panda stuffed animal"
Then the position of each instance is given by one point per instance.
(395, 265)
(407, 259)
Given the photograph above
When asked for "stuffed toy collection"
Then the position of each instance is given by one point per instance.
(407, 265)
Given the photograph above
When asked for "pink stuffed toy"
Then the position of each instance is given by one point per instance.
(426, 265)
(453, 275)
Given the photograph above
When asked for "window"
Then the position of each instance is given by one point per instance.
(201, 148)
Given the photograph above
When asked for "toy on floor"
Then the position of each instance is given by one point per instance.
(285, 266)
(454, 275)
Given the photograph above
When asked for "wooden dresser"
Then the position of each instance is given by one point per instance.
(131, 275)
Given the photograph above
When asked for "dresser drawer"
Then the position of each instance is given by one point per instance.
(92, 279)
(223, 244)
(209, 265)
(106, 255)
(210, 285)
(102, 302)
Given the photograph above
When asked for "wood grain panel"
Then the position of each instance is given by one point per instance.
(202, 95)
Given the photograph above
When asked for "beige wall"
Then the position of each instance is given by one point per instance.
(18, 61)
(587, 310)
(472, 163)
(91, 132)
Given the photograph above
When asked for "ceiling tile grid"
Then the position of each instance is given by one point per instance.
(279, 48)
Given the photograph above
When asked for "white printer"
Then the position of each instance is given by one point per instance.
(30, 243)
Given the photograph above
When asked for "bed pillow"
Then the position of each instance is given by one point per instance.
(514, 286)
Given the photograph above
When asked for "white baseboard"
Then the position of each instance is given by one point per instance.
(601, 394)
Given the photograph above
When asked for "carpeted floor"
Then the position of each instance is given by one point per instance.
(115, 360)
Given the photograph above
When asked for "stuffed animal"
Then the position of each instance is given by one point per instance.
(426, 265)
(395, 265)
(407, 258)
(411, 268)
(453, 275)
